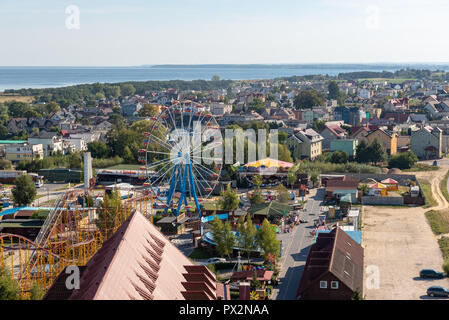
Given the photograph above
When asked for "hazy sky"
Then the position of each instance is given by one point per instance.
(136, 32)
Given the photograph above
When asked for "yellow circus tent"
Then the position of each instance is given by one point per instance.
(269, 163)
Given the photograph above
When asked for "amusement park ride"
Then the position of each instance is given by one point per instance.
(175, 149)
(75, 229)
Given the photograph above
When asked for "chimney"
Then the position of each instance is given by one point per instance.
(244, 289)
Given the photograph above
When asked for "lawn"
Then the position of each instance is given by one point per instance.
(422, 167)
(125, 167)
(444, 246)
(430, 200)
(443, 186)
(439, 221)
(6, 98)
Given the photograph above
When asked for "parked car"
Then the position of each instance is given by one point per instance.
(216, 260)
(430, 273)
(437, 291)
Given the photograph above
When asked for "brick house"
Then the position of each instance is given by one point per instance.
(334, 268)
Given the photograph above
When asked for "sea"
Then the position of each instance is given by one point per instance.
(49, 77)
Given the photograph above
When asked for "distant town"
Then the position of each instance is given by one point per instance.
(355, 205)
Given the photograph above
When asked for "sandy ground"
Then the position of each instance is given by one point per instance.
(399, 243)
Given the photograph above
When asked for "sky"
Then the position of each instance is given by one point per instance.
(138, 32)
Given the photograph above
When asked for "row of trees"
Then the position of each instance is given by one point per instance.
(249, 238)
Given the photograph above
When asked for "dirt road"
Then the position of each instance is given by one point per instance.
(399, 243)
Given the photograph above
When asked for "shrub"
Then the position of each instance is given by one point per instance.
(446, 267)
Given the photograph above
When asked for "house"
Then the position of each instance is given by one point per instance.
(387, 139)
(395, 105)
(337, 188)
(51, 142)
(334, 268)
(330, 133)
(20, 152)
(364, 94)
(305, 144)
(219, 109)
(347, 145)
(426, 143)
(131, 108)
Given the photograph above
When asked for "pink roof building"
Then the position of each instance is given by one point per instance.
(139, 263)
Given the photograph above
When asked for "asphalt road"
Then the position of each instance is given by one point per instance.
(296, 247)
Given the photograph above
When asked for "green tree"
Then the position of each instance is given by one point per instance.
(5, 164)
(255, 283)
(229, 199)
(404, 160)
(149, 110)
(108, 214)
(36, 292)
(127, 90)
(362, 152)
(248, 234)
(17, 109)
(339, 157)
(257, 181)
(223, 237)
(24, 190)
(98, 149)
(334, 90)
(9, 288)
(267, 240)
(318, 125)
(291, 179)
(376, 152)
(256, 197)
(306, 99)
(51, 108)
(215, 77)
(284, 195)
(4, 132)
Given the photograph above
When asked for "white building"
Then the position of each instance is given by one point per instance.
(24, 152)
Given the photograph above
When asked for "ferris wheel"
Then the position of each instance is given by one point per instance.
(180, 170)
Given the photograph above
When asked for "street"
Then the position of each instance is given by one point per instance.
(296, 247)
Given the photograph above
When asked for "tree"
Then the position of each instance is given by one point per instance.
(9, 288)
(376, 152)
(149, 110)
(257, 181)
(4, 132)
(291, 179)
(17, 109)
(107, 215)
(98, 149)
(362, 152)
(306, 99)
(24, 190)
(5, 164)
(255, 284)
(318, 125)
(36, 292)
(229, 199)
(256, 197)
(339, 157)
(248, 234)
(267, 240)
(257, 105)
(51, 108)
(127, 90)
(334, 90)
(223, 237)
(284, 195)
(215, 77)
(404, 160)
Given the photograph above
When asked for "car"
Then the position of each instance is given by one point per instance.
(436, 291)
(216, 260)
(430, 273)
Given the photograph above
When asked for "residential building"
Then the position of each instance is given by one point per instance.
(334, 268)
(51, 142)
(387, 139)
(426, 142)
(330, 133)
(305, 144)
(347, 145)
(24, 152)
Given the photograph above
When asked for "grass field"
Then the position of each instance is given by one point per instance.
(439, 221)
(443, 186)
(125, 167)
(430, 200)
(6, 98)
(444, 246)
(422, 167)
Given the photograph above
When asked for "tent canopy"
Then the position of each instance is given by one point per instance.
(379, 186)
(346, 198)
(389, 181)
(272, 208)
(269, 163)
